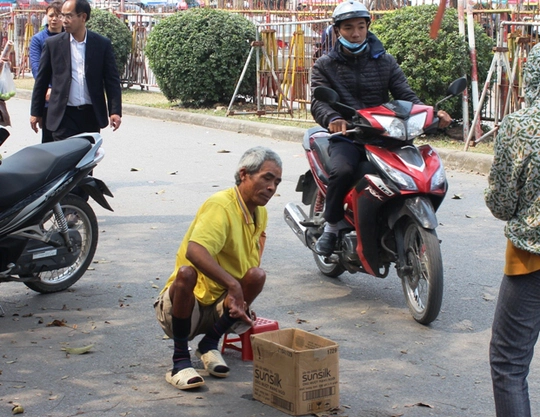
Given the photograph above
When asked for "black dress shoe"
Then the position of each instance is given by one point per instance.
(325, 244)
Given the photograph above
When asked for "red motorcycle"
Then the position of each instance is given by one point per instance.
(390, 211)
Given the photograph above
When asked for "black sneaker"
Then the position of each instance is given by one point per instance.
(326, 243)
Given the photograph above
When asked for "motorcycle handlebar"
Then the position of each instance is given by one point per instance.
(355, 130)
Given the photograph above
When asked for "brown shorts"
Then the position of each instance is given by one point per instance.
(202, 317)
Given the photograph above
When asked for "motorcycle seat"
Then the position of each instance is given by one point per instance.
(30, 168)
(320, 146)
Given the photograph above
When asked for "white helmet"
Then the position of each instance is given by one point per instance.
(350, 9)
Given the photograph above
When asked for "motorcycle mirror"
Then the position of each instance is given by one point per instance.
(457, 86)
(325, 94)
(4, 134)
(329, 96)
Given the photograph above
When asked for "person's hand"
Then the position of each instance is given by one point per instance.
(238, 308)
(115, 121)
(48, 95)
(338, 125)
(444, 119)
(35, 122)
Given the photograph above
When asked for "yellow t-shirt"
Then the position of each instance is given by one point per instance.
(227, 230)
(520, 262)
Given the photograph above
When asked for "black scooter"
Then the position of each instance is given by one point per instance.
(48, 235)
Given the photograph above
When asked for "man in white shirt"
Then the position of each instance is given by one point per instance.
(80, 66)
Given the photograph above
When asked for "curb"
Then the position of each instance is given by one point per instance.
(458, 160)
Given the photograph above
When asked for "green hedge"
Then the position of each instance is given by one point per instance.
(197, 56)
(431, 64)
(110, 26)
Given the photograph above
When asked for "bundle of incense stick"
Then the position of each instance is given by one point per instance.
(7, 50)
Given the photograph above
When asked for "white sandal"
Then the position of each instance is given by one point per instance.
(213, 360)
(181, 379)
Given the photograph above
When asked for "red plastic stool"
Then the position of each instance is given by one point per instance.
(261, 325)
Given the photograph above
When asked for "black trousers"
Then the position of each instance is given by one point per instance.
(46, 134)
(80, 119)
(77, 120)
(348, 163)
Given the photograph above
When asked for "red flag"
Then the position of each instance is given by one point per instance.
(436, 24)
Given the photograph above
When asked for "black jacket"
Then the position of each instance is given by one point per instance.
(361, 81)
(55, 69)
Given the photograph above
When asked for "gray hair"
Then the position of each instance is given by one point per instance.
(253, 159)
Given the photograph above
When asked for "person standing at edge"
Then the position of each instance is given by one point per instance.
(79, 65)
(217, 274)
(53, 27)
(513, 195)
(362, 73)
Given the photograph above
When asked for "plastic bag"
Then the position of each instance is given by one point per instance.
(7, 85)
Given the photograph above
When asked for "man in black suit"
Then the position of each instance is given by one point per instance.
(80, 66)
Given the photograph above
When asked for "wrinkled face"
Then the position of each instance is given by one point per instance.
(354, 30)
(54, 21)
(257, 189)
(73, 22)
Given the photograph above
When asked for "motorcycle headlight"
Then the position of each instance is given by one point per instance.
(438, 180)
(394, 127)
(415, 124)
(403, 181)
(403, 129)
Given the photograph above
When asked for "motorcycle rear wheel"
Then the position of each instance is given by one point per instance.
(423, 286)
(81, 217)
(331, 270)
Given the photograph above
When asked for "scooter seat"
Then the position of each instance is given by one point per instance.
(29, 169)
(320, 146)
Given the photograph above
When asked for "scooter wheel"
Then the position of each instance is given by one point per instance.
(79, 216)
(423, 282)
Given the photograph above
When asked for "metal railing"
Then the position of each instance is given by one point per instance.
(288, 42)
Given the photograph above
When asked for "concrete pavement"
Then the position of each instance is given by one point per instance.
(465, 161)
(160, 172)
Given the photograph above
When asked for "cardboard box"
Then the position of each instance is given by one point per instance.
(295, 371)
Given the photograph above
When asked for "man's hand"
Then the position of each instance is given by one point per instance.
(238, 308)
(48, 94)
(35, 122)
(204, 262)
(115, 121)
(338, 125)
(444, 119)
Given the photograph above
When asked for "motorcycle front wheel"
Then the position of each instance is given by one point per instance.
(79, 216)
(331, 270)
(423, 281)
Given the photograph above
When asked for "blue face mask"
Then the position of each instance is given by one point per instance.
(354, 48)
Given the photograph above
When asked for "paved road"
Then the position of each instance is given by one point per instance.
(160, 172)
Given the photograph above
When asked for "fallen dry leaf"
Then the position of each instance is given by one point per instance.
(57, 323)
(223, 151)
(419, 405)
(79, 350)
(17, 409)
(134, 169)
(488, 297)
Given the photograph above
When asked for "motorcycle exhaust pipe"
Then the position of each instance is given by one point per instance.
(293, 216)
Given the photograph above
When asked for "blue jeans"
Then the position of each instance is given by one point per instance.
(514, 333)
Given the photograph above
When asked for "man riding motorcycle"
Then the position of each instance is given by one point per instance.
(363, 74)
